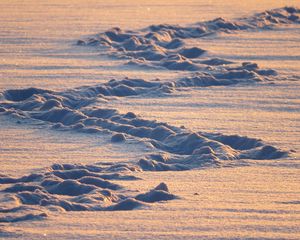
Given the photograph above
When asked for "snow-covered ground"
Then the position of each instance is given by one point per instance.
(223, 137)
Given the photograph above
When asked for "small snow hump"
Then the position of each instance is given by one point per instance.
(193, 52)
(126, 205)
(81, 42)
(156, 195)
(119, 137)
(23, 94)
(162, 186)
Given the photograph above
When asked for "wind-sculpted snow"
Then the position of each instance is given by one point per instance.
(163, 45)
(98, 187)
(78, 187)
(67, 187)
(64, 107)
(174, 148)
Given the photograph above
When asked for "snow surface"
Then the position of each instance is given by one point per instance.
(101, 102)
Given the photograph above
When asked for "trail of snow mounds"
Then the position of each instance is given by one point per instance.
(163, 45)
(71, 187)
(177, 148)
(67, 187)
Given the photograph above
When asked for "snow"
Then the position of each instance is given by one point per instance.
(101, 102)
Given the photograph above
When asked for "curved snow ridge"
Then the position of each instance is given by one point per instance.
(63, 104)
(177, 148)
(163, 45)
(246, 73)
(68, 187)
(23, 217)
